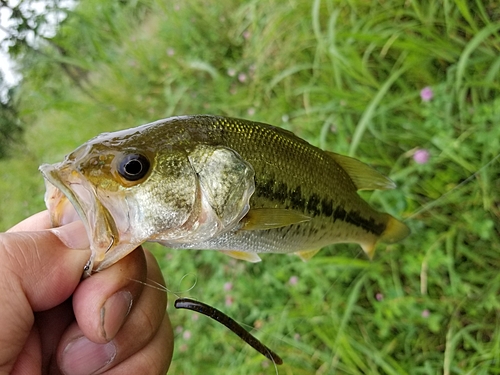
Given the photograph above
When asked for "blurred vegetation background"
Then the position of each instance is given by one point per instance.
(410, 87)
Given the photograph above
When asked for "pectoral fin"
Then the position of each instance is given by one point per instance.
(305, 255)
(242, 255)
(269, 218)
(363, 176)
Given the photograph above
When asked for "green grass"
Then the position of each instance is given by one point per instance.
(346, 76)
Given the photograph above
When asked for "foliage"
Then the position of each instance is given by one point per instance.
(10, 124)
(346, 76)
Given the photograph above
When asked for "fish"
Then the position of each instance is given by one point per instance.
(217, 183)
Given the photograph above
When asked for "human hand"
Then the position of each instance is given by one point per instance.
(52, 322)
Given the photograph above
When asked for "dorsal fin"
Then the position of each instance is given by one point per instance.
(363, 176)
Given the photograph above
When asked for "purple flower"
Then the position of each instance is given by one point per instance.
(421, 156)
(426, 313)
(293, 280)
(228, 286)
(242, 77)
(426, 94)
(379, 296)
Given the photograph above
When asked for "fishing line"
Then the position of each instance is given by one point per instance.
(212, 312)
(429, 205)
(156, 285)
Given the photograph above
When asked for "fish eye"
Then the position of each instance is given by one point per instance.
(133, 167)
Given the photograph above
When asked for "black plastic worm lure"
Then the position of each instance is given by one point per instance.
(212, 312)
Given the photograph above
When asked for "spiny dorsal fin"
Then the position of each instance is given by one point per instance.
(242, 255)
(363, 176)
(269, 218)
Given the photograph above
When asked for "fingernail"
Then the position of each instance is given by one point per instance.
(113, 313)
(73, 235)
(83, 357)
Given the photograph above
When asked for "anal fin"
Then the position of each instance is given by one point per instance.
(242, 255)
(305, 255)
(369, 248)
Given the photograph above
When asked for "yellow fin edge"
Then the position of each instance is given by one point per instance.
(305, 255)
(395, 231)
(242, 255)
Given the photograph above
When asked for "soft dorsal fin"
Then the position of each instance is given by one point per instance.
(242, 255)
(363, 176)
(269, 218)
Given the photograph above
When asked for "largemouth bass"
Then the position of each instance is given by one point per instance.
(207, 182)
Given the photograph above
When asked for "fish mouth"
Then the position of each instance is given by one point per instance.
(68, 191)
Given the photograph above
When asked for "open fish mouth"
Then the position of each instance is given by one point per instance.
(67, 193)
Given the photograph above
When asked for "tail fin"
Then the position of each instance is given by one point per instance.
(395, 231)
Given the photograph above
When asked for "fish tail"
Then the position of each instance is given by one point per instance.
(395, 231)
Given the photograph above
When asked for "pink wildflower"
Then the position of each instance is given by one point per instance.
(293, 280)
(421, 156)
(228, 286)
(426, 313)
(242, 77)
(379, 296)
(426, 94)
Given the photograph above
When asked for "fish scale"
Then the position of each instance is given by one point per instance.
(277, 186)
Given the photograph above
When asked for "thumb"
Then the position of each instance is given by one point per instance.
(37, 272)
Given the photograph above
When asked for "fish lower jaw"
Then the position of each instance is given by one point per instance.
(100, 252)
(105, 256)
